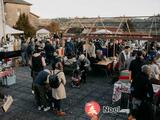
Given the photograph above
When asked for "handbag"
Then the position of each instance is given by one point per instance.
(7, 103)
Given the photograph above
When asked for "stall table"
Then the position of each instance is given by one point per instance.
(103, 65)
(8, 77)
(124, 87)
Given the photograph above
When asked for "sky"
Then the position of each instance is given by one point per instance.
(94, 8)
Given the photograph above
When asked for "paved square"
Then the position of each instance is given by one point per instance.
(97, 88)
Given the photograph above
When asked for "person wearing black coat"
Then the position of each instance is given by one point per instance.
(49, 50)
(135, 65)
(142, 95)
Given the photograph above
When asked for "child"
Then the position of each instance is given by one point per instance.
(76, 78)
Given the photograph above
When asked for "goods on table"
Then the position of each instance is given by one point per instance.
(7, 74)
(125, 75)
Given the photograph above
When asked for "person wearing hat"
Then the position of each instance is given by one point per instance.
(83, 64)
(37, 63)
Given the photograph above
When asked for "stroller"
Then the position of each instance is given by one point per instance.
(76, 78)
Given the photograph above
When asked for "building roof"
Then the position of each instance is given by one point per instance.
(17, 2)
(34, 14)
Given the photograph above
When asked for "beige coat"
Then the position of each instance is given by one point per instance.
(60, 92)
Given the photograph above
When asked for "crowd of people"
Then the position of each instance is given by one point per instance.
(143, 64)
(144, 69)
(38, 55)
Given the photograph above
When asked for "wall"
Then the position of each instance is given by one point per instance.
(34, 21)
(12, 12)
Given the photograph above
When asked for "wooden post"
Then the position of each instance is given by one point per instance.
(114, 48)
(107, 48)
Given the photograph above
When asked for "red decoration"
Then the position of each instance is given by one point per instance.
(123, 77)
(92, 108)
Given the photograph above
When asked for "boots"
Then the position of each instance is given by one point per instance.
(59, 113)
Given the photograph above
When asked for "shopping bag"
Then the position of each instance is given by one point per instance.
(7, 103)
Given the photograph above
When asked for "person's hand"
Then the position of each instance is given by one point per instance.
(86, 65)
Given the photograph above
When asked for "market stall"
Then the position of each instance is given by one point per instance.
(42, 33)
(7, 73)
(124, 87)
(9, 50)
(11, 47)
(10, 30)
(104, 66)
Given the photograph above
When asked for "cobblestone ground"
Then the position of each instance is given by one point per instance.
(97, 88)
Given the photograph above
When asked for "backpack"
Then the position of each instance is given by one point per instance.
(54, 81)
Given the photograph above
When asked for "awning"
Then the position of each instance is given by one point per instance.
(10, 30)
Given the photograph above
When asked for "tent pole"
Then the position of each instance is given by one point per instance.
(116, 35)
(114, 47)
(155, 25)
(150, 32)
(94, 23)
(107, 48)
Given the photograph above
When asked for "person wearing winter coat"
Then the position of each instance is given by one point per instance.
(37, 64)
(135, 65)
(40, 91)
(83, 64)
(59, 93)
(24, 53)
(123, 58)
(142, 95)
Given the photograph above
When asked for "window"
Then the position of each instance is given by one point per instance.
(18, 12)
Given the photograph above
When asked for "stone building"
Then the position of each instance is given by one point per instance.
(13, 9)
(34, 20)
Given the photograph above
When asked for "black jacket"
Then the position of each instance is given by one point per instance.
(141, 87)
(135, 66)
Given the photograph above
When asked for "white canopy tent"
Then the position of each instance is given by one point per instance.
(10, 30)
(43, 33)
(103, 31)
(85, 31)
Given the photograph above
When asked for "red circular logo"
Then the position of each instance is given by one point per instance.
(92, 108)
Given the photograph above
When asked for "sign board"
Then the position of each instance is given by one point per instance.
(7, 103)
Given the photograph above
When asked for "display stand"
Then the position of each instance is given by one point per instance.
(7, 76)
